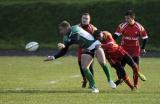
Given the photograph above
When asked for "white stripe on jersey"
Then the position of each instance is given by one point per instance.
(85, 34)
(123, 25)
(145, 37)
(118, 34)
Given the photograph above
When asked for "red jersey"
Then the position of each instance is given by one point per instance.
(114, 53)
(130, 37)
(108, 44)
(89, 28)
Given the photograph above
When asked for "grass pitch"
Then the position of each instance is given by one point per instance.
(29, 80)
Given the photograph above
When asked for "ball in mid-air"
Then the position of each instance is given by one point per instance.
(32, 46)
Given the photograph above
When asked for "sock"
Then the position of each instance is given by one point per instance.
(128, 82)
(89, 76)
(135, 76)
(119, 81)
(107, 72)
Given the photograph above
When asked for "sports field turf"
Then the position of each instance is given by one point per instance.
(29, 80)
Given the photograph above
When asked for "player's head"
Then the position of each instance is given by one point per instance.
(86, 18)
(64, 27)
(130, 17)
(98, 35)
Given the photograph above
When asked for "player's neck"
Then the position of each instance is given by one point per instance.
(84, 24)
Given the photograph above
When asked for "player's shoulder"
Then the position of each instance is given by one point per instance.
(123, 25)
(107, 33)
(139, 26)
(75, 28)
(93, 26)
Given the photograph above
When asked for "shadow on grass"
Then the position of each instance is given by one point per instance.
(42, 91)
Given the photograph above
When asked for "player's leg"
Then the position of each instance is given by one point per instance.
(123, 63)
(86, 60)
(134, 67)
(136, 60)
(141, 76)
(102, 61)
(122, 75)
(84, 80)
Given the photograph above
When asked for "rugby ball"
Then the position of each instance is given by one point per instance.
(32, 46)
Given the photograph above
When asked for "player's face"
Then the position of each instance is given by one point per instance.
(85, 19)
(129, 20)
(63, 30)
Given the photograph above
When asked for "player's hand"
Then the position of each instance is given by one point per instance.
(60, 45)
(143, 51)
(50, 58)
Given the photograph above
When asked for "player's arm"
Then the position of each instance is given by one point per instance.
(63, 50)
(115, 36)
(118, 32)
(144, 37)
(144, 43)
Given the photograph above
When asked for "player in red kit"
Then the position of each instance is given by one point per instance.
(131, 31)
(116, 55)
(86, 25)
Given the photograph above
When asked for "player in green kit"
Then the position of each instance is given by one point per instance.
(91, 46)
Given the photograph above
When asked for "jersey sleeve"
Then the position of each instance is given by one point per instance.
(94, 28)
(143, 33)
(67, 42)
(119, 30)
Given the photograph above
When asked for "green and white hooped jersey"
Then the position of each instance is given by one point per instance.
(81, 37)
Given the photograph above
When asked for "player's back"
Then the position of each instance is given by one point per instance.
(108, 43)
(81, 37)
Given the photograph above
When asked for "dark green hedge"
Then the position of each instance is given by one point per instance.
(24, 22)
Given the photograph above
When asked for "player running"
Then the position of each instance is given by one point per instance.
(86, 25)
(131, 31)
(91, 46)
(116, 55)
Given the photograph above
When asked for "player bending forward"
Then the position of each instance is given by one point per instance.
(116, 55)
(76, 35)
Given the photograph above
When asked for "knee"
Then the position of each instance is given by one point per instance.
(84, 67)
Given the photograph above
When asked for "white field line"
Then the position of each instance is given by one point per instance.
(52, 82)
(70, 77)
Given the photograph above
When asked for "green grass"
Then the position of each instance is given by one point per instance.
(29, 80)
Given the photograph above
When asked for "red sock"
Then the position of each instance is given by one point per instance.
(135, 75)
(128, 82)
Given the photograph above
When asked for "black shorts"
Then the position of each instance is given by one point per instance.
(89, 52)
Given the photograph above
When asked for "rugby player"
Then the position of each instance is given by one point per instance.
(86, 25)
(131, 31)
(76, 35)
(116, 55)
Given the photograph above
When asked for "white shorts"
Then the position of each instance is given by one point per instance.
(93, 46)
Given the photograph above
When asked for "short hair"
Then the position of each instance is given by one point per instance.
(65, 24)
(130, 13)
(86, 14)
